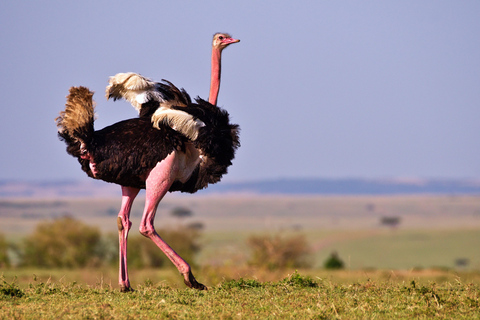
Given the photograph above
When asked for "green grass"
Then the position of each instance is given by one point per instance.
(296, 296)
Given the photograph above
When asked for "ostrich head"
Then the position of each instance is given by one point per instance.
(222, 40)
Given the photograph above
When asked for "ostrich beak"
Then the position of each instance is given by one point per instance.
(231, 40)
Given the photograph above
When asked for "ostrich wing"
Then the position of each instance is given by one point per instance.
(155, 99)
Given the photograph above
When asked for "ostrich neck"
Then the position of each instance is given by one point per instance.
(215, 76)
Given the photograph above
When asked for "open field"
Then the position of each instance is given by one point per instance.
(433, 231)
(257, 213)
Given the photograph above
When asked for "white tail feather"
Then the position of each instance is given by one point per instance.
(179, 121)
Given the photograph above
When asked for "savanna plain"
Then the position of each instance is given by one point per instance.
(403, 257)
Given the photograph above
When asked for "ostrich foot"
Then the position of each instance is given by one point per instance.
(191, 282)
(124, 288)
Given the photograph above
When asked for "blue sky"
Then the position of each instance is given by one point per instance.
(372, 89)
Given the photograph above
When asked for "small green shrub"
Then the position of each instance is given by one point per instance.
(240, 283)
(299, 281)
(10, 290)
(334, 262)
(277, 251)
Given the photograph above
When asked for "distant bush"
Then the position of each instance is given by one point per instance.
(64, 242)
(4, 260)
(277, 251)
(196, 226)
(334, 262)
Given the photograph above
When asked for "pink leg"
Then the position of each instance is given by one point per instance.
(158, 182)
(124, 225)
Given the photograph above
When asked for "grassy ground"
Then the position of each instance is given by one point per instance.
(213, 276)
(296, 296)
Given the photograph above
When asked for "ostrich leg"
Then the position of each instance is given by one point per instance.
(158, 182)
(124, 225)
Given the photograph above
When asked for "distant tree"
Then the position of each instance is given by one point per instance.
(391, 222)
(181, 212)
(4, 260)
(370, 207)
(196, 226)
(462, 262)
(64, 242)
(334, 262)
(111, 211)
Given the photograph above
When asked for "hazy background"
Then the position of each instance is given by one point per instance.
(320, 88)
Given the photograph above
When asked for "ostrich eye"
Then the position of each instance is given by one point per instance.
(220, 38)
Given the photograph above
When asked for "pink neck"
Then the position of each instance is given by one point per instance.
(215, 75)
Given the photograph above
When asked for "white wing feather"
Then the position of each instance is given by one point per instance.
(138, 90)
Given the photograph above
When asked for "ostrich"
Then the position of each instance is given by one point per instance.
(174, 145)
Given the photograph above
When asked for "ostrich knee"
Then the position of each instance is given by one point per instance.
(123, 224)
(147, 231)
